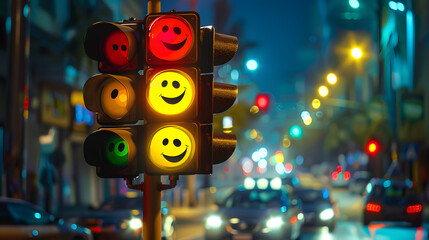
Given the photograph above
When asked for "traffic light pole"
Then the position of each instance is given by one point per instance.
(152, 189)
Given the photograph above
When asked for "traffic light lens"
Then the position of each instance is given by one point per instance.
(171, 92)
(171, 147)
(170, 37)
(115, 100)
(116, 151)
(115, 48)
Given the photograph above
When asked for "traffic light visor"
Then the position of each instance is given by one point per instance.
(171, 92)
(112, 95)
(170, 37)
(110, 42)
(111, 149)
(171, 147)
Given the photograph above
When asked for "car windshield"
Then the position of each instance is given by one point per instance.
(256, 199)
(308, 196)
(122, 203)
(394, 194)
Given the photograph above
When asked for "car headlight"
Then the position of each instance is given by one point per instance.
(135, 223)
(274, 223)
(213, 222)
(326, 214)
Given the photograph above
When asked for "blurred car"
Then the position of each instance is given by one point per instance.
(319, 208)
(22, 220)
(260, 212)
(392, 200)
(121, 218)
(358, 182)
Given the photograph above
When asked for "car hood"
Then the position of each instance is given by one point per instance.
(108, 215)
(315, 207)
(249, 215)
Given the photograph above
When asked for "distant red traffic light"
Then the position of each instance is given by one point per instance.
(262, 101)
(372, 147)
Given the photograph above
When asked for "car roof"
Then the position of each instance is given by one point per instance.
(393, 182)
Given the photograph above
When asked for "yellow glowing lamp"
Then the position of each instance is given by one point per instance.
(308, 121)
(279, 157)
(315, 103)
(171, 147)
(171, 92)
(331, 78)
(323, 91)
(356, 53)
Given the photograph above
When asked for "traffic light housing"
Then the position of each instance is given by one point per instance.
(158, 70)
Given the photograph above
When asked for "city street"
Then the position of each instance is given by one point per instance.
(349, 227)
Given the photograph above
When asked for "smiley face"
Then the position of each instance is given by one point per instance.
(116, 151)
(170, 37)
(171, 146)
(115, 47)
(171, 92)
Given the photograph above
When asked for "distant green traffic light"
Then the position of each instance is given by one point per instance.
(252, 65)
(296, 131)
(354, 4)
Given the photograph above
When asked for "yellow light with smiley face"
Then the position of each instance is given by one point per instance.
(171, 92)
(171, 146)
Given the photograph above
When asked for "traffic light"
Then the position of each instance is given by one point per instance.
(181, 96)
(113, 95)
(372, 147)
(158, 70)
(262, 101)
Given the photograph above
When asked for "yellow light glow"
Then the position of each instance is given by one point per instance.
(308, 121)
(286, 142)
(315, 103)
(135, 212)
(253, 134)
(213, 190)
(259, 138)
(323, 91)
(25, 114)
(76, 97)
(332, 78)
(171, 147)
(234, 220)
(254, 109)
(116, 99)
(356, 53)
(123, 98)
(171, 92)
(279, 157)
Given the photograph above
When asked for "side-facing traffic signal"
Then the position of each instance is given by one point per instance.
(113, 96)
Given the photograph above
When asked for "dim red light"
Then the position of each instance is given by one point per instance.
(346, 175)
(339, 169)
(95, 229)
(170, 38)
(262, 101)
(226, 169)
(115, 49)
(293, 220)
(371, 207)
(414, 208)
(334, 176)
(288, 167)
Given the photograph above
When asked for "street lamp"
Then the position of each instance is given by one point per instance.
(252, 65)
(331, 78)
(354, 4)
(323, 91)
(356, 53)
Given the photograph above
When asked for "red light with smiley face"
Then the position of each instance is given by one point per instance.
(170, 38)
(115, 49)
